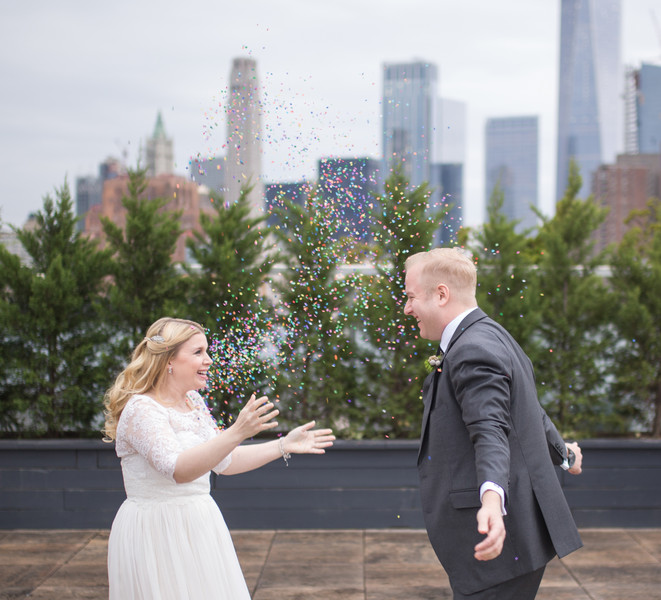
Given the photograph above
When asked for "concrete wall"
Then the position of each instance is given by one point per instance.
(357, 484)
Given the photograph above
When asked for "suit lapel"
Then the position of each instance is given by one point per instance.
(428, 393)
(431, 382)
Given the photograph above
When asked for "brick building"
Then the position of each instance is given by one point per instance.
(182, 195)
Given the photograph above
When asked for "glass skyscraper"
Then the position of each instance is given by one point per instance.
(648, 108)
(409, 117)
(589, 100)
(511, 161)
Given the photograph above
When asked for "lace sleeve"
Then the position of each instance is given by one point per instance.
(145, 427)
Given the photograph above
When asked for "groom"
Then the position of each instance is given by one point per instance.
(493, 506)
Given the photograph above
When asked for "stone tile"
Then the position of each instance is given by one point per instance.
(556, 575)
(303, 593)
(84, 574)
(252, 546)
(11, 592)
(609, 548)
(625, 592)
(313, 574)
(23, 575)
(96, 551)
(563, 593)
(398, 547)
(412, 591)
(41, 547)
(384, 575)
(251, 574)
(650, 539)
(409, 536)
(71, 593)
(623, 575)
(330, 547)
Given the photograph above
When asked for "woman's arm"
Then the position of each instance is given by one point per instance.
(255, 417)
(302, 440)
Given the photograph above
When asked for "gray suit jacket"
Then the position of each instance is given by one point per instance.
(483, 422)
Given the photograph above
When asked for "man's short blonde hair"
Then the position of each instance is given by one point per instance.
(450, 266)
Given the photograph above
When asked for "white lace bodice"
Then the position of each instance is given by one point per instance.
(150, 438)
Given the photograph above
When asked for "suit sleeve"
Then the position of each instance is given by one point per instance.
(557, 446)
(482, 384)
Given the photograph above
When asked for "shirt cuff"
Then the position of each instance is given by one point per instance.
(490, 485)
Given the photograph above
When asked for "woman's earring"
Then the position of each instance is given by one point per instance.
(169, 370)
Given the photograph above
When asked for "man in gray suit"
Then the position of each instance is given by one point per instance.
(487, 448)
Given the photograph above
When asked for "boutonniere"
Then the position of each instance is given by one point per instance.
(433, 363)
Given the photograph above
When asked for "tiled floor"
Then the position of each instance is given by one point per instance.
(615, 564)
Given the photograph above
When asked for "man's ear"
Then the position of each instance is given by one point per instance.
(443, 293)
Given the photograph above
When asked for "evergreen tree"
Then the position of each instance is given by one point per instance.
(54, 360)
(636, 278)
(573, 335)
(147, 284)
(317, 377)
(230, 268)
(395, 356)
(504, 284)
(230, 265)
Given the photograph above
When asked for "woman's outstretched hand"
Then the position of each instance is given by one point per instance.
(306, 440)
(256, 416)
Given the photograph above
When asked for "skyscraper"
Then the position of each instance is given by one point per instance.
(450, 138)
(159, 151)
(244, 132)
(648, 108)
(511, 162)
(348, 187)
(447, 169)
(589, 100)
(448, 179)
(409, 117)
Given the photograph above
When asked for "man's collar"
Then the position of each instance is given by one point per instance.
(451, 327)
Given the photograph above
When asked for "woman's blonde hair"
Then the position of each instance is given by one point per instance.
(148, 366)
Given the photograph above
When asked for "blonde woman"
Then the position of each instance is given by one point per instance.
(169, 539)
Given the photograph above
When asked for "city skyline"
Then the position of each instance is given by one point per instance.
(85, 83)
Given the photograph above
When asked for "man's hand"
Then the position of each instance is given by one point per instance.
(576, 469)
(490, 522)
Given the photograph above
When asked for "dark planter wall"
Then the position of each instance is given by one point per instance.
(358, 484)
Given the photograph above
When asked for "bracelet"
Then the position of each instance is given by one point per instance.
(285, 455)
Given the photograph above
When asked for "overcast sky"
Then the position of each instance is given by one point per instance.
(84, 80)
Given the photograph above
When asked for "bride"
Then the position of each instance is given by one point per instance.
(169, 539)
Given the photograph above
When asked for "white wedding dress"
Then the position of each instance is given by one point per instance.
(168, 541)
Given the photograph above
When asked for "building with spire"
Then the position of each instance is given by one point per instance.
(159, 151)
(243, 164)
(590, 88)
